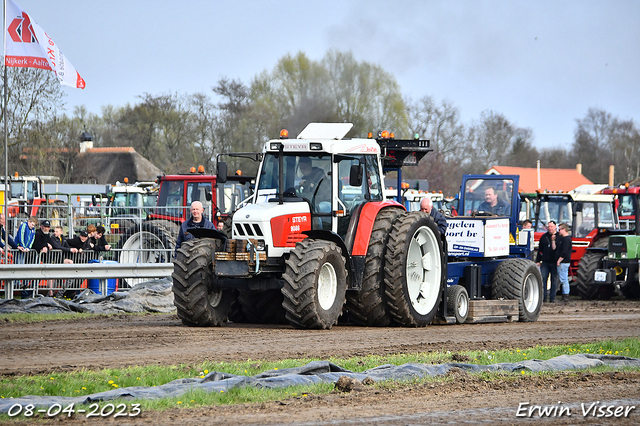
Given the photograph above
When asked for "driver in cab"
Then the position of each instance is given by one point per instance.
(492, 204)
(312, 179)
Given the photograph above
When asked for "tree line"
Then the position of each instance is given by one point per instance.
(176, 131)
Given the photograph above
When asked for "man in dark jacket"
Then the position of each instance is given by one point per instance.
(546, 260)
(80, 241)
(59, 242)
(426, 205)
(99, 241)
(42, 241)
(564, 259)
(197, 220)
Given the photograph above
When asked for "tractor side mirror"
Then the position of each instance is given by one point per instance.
(222, 172)
(207, 195)
(355, 175)
(578, 207)
(94, 202)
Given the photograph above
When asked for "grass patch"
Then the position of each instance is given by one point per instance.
(30, 318)
(87, 382)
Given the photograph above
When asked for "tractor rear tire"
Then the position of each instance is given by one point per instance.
(315, 284)
(588, 264)
(197, 299)
(414, 270)
(519, 279)
(368, 306)
(262, 307)
(458, 303)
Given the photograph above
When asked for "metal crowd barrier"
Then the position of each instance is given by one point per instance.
(62, 274)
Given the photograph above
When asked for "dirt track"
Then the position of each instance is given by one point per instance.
(161, 339)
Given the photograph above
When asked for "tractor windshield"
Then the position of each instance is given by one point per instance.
(305, 176)
(488, 196)
(557, 209)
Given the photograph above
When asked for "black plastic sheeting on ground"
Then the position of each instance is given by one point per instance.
(152, 296)
(319, 372)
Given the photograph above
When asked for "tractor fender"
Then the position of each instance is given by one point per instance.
(368, 216)
(208, 233)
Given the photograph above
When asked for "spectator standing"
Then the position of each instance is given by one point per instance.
(80, 242)
(426, 205)
(42, 244)
(24, 239)
(197, 220)
(4, 235)
(526, 224)
(59, 242)
(564, 246)
(547, 259)
(99, 241)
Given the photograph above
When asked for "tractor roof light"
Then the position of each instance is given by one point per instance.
(392, 135)
(384, 134)
(201, 169)
(416, 136)
(238, 172)
(369, 135)
(15, 175)
(284, 134)
(126, 180)
(405, 185)
(192, 169)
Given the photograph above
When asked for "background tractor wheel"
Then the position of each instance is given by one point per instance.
(588, 264)
(315, 283)
(151, 242)
(197, 300)
(458, 303)
(368, 307)
(414, 270)
(519, 279)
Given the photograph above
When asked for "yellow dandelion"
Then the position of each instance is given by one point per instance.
(51, 378)
(304, 394)
(83, 388)
(114, 385)
(110, 382)
(522, 372)
(77, 391)
(206, 371)
(137, 378)
(221, 391)
(276, 368)
(193, 400)
(179, 402)
(245, 371)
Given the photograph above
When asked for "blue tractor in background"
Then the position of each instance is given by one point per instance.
(489, 256)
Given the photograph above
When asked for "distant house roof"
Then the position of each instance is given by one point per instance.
(108, 165)
(550, 179)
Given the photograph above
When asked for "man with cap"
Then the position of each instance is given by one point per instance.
(80, 241)
(42, 241)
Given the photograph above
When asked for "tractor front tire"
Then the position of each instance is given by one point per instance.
(315, 284)
(414, 270)
(197, 299)
(368, 306)
(519, 279)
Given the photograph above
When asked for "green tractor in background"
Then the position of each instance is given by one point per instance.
(620, 264)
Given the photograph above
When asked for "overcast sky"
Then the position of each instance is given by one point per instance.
(542, 64)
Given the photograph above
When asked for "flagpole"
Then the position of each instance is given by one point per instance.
(6, 143)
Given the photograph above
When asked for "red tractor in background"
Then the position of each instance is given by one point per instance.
(153, 240)
(590, 217)
(26, 198)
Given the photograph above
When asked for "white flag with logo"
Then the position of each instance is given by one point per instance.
(27, 45)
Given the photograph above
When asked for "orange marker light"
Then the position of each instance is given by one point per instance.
(200, 168)
(192, 170)
(284, 134)
(126, 180)
(384, 134)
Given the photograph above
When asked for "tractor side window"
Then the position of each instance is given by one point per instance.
(351, 196)
(625, 208)
(585, 220)
(17, 190)
(605, 215)
(489, 196)
(171, 197)
(373, 178)
(32, 190)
